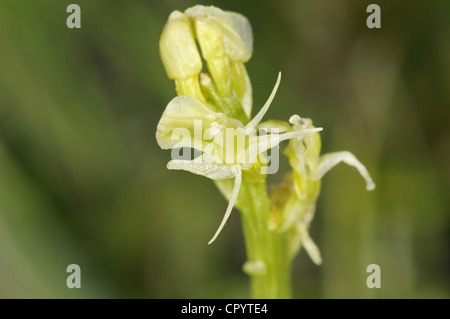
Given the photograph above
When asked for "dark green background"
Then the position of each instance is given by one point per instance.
(83, 181)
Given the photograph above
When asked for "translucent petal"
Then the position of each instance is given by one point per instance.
(234, 195)
(210, 170)
(310, 247)
(244, 30)
(328, 161)
(225, 187)
(274, 124)
(307, 242)
(298, 159)
(210, 39)
(258, 117)
(185, 112)
(236, 30)
(246, 98)
(313, 141)
(260, 144)
(178, 50)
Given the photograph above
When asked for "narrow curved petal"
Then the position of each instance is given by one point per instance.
(225, 187)
(310, 247)
(258, 117)
(234, 195)
(307, 242)
(328, 161)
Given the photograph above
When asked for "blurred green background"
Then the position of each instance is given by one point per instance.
(83, 181)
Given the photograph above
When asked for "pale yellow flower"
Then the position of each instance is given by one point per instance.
(177, 129)
(297, 209)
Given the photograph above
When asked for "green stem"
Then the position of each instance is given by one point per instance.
(268, 264)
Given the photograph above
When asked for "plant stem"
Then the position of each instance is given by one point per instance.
(268, 264)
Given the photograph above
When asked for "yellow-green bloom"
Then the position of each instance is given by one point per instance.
(204, 51)
(187, 122)
(296, 211)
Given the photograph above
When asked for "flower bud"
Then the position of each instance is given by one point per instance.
(226, 41)
(178, 49)
(235, 28)
(210, 38)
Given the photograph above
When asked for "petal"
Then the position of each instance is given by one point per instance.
(306, 240)
(242, 86)
(210, 39)
(236, 30)
(328, 161)
(243, 30)
(310, 247)
(210, 170)
(216, 172)
(300, 235)
(281, 126)
(260, 144)
(297, 157)
(225, 187)
(185, 115)
(234, 195)
(178, 50)
(258, 117)
(313, 141)
(247, 98)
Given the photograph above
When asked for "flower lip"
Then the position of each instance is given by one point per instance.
(183, 112)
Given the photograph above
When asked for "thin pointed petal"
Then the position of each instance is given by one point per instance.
(234, 195)
(225, 186)
(255, 121)
(311, 248)
(328, 161)
(260, 144)
(269, 125)
(307, 242)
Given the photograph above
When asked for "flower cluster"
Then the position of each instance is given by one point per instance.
(221, 100)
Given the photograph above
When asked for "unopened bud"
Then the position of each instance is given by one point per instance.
(178, 49)
(235, 28)
(210, 38)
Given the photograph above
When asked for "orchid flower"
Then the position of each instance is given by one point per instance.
(211, 117)
(179, 120)
(309, 167)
